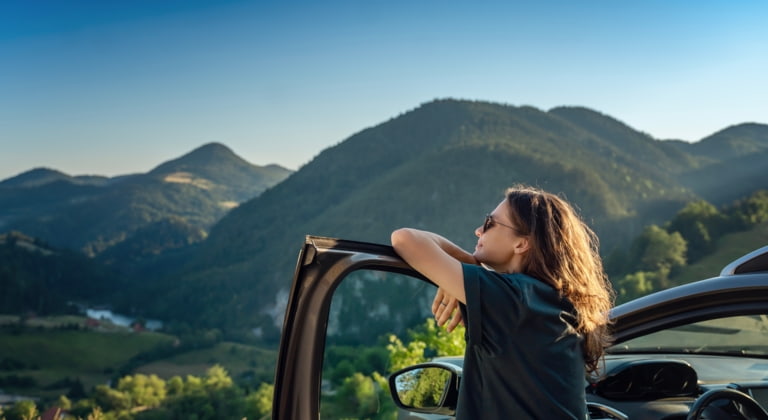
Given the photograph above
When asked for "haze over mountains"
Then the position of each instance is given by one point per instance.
(441, 166)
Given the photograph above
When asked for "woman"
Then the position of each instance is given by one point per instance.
(535, 300)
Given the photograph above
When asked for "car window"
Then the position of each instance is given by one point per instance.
(356, 359)
(735, 335)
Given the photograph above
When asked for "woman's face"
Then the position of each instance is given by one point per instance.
(498, 244)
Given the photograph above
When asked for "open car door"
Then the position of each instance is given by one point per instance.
(322, 265)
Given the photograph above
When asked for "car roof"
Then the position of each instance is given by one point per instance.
(754, 262)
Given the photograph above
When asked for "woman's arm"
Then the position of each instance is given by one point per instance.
(437, 258)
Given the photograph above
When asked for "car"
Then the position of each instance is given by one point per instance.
(694, 351)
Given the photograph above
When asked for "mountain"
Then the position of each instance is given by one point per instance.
(215, 167)
(196, 257)
(723, 182)
(41, 176)
(38, 278)
(94, 214)
(440, 167)
(732, 142)
(736, 163)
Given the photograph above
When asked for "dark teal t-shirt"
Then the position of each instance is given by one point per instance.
(524, 358)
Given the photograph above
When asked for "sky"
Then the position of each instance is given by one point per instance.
(120, 86)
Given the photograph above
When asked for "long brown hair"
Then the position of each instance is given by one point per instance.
(564, 254)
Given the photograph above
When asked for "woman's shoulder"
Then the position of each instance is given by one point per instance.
(481, 270)
(517, 280)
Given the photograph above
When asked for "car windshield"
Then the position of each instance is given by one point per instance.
(737, 335)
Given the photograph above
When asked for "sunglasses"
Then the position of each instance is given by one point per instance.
(489, 223)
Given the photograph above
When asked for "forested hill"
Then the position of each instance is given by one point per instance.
(441, 166)
(37, 278)
(737, 163)
(172, 205)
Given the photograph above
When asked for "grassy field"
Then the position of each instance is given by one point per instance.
(50, 355)
(238, 359)
(45, 321)
(729, 248)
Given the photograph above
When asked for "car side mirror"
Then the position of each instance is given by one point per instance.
(431, 388)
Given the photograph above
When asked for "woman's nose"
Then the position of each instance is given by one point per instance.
(478, 231)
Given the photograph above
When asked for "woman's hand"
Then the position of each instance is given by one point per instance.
(446, 307)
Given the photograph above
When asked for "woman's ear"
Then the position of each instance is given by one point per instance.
(522, 244)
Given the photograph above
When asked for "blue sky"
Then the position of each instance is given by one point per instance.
(116, 87)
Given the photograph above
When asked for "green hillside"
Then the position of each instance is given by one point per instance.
(37, 278)
(728, 248)
(441, 166)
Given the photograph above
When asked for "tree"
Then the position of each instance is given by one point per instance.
(363, 397)
(662, 249)
(217, 378)
(22, 410)
(96, 414)
(427, 341)
(634, 285)
(341, 371)
(143, 390)
(751, 210)
(641, 283)
(700, 224)
(213, 397)
(111, 399)
(175, 386)
(359, 394)
(64, 403)
(83, 408)
(439, 341)
(402, 356)
(258, 405)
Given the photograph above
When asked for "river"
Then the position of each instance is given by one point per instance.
(122, 320)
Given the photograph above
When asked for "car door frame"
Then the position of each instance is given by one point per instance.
(322, 265)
